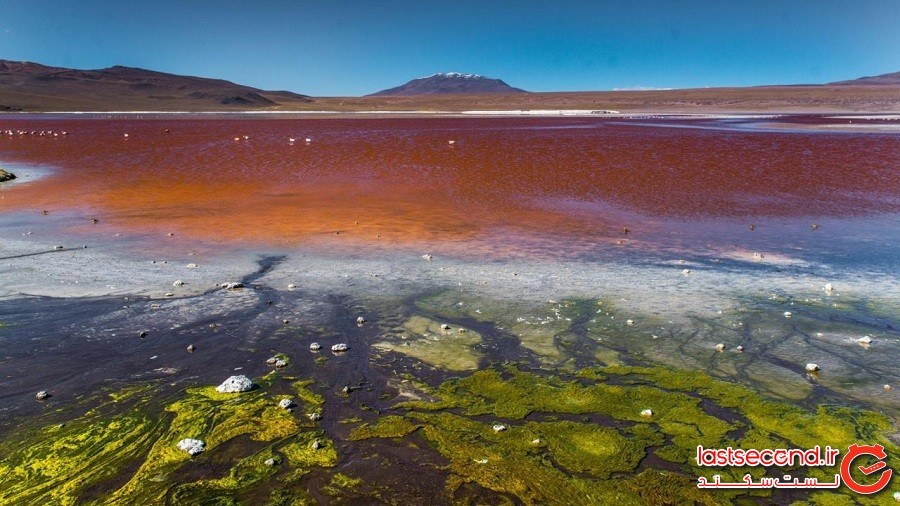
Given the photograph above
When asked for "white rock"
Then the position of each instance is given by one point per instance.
(445, 327)
(316, 445)
(270, 462)
(191, 446)
(314, 416)
(686, 272)
(178, 282)
(740, 349)
(647, 412)
(629, 322)
(315, 347)
(291, 286)
(897, 496)
(720, 347)
(43, 394)
(271, 360)
(788, 314)
(428, 257)
(281, 363)
(864, 340)
(340, 347)
(235, 384)
(811, 367)
(191, 266)
(360, 320)
(888, 388)
(499, 427)
(232, 285)
(285, 404)
(829, 287)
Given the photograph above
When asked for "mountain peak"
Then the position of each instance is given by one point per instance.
(453, 75)
(445, 83)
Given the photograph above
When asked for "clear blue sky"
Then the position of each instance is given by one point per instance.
(333, 47)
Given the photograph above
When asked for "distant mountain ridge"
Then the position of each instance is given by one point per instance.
(880, 80)
(447, 83)
(32, 86)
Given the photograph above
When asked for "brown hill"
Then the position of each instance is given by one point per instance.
(891, 79)
(27, 86)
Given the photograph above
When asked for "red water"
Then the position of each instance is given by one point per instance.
(397, 181)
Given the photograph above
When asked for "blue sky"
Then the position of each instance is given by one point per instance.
(333, 47)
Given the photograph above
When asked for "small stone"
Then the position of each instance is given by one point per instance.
(191, 446)
(360, 320)
(340, 347)
(177, 283)
(271, 360)
(461, 330)
(291, 286)
(285, 404)
(428, 257)
(232, 285)
(170, 294)
(285, 321)
(314, 416)
(864, 340)
(788, 314)
(191, 266)
(270, 462)
(445, 327)
(281, 363)
(143, 334)
(499, 427)
(757, 256)
(346, 390)
(191, 348)
(629, 322)
(739, 349)
(43, 394)
(315, 347)
(720, 347)
(686, 272)
(887, 388)
(829, 287)
(646, 413)
(811, 367)
(235, 384)
(536, 441)
(316, 445)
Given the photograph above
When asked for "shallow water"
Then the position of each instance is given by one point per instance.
(526, 219)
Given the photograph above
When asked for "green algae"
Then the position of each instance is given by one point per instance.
(60, 463)
(547, 460)
(55, 464)
(384, 427)
(425, 340)
(306, 394)
(340, 483)
(301, 454)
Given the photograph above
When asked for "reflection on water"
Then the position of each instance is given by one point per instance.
(528, 186)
